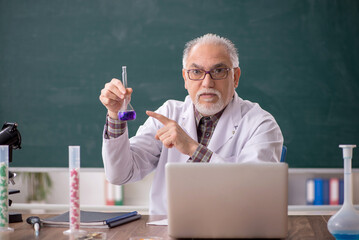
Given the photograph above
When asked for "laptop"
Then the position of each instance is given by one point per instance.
(229, 200)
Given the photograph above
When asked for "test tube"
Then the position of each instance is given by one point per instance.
(4, 190)
(74, 172)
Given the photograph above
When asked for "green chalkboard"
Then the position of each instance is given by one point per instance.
(299, 60)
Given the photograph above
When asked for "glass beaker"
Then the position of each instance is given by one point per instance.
(345, 223)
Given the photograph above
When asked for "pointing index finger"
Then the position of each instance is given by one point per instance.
(164, 120)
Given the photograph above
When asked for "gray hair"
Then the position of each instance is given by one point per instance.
(212, 39)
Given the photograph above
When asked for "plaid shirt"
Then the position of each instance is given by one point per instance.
(114, 128)
(205, 128)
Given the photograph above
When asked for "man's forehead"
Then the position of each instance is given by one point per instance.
(209, 55)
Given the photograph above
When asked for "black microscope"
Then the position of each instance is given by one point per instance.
(10, 136)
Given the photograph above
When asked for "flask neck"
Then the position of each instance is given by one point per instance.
(348, 182)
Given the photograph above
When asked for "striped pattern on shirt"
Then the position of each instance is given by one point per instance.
(205, 129)
(114, 128)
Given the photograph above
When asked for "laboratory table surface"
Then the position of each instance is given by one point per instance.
(299, 227)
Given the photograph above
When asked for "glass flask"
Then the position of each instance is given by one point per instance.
(127, 112)
(345, 223)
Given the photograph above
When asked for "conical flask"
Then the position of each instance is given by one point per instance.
(345, 223)
(127, 112)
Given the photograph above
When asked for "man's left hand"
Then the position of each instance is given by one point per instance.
(172, 135)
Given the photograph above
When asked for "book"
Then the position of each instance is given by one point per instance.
(334, 191)
(310, 191)
(110, 200)
(318, 191)
(325, 191)
(93, 219)
(341, 191)
(118, 195)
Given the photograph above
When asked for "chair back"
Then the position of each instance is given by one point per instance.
(284, 154)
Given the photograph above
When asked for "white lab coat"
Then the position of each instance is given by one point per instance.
(244, 133)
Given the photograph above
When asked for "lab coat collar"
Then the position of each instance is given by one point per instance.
(227, 124)
(230, 117)
(188, 122)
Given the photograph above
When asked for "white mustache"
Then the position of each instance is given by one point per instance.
(211, 108)
(208, 91)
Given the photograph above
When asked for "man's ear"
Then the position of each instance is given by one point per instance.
(184, 78)
(237, 74)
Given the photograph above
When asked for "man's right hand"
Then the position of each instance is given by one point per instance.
(113, 95)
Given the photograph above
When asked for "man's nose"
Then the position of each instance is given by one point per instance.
(208, 82)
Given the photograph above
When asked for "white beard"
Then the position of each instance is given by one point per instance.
(211, 109)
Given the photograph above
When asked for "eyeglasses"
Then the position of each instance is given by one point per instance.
(216, 73)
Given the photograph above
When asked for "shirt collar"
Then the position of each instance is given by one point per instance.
(198, 116)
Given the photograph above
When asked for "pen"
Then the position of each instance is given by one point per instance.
(130, 214)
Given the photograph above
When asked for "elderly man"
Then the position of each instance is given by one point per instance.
(213, 124)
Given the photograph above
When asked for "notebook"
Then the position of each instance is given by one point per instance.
(93, 219)
(246, 200)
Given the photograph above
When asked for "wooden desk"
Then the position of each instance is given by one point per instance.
(299, 227)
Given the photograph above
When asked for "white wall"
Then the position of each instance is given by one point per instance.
(92, 189)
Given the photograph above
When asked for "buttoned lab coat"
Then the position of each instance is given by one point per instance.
(244, 133)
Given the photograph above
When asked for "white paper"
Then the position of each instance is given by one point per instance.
(163, 222)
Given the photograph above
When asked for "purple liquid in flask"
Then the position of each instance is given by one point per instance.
(127, 115)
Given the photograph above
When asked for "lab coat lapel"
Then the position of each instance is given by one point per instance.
(226, 126)
(188, 124)
(187, 121)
